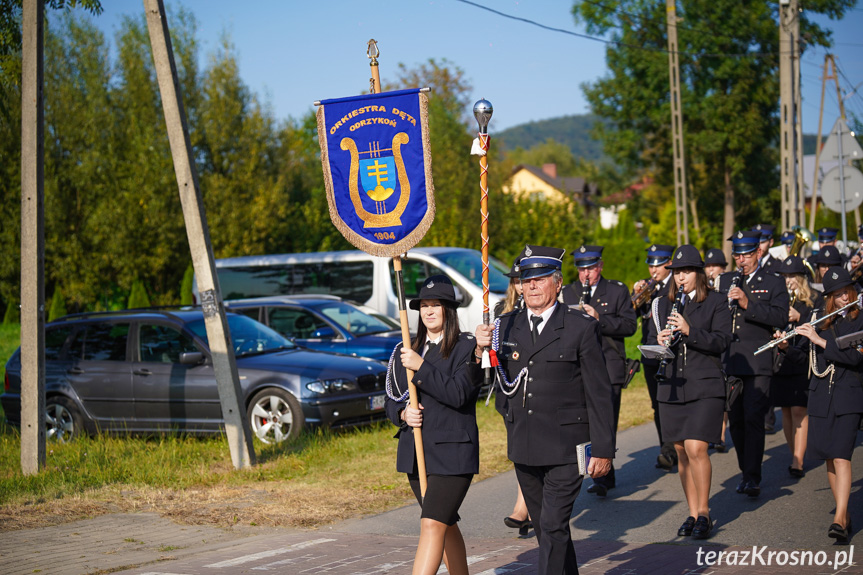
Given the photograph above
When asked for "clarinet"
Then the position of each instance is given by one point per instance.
(735, 282)
(585, 288)
(678, 298)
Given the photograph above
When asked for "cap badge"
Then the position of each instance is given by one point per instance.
(430, 285)
(582, 250)
(517, 267)
(528, 252)
(835, 276)
(739, 235)
(788, 262)
(758, 227)
(653, 248)
(679, 255)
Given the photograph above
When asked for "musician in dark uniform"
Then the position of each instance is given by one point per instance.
(826, 237)
(760, 305)
(559, 396)
(856, 256)
(715, 265)
(789, 388)
(657, 256)
(835, 394)
(448, 378)
(787, 240)
(694, 322)
(608, 302)
(767, 261)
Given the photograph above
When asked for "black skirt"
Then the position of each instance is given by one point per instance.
(444, 495)
(700, 419)
(790, 390)
(834, 436)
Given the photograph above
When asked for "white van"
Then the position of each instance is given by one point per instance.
(370, 280)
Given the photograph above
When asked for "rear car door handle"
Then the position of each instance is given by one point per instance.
(142, 372)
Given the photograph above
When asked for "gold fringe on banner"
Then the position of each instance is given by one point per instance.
(384, 250)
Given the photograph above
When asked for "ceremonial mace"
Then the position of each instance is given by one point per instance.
(482, 111)
(375, 87)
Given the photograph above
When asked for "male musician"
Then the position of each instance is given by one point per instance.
(555, 353)
(826, 237)
(657, 256)
(787, 240)
(608, 302)
(767, 261)
(714, 265)
(760, 305)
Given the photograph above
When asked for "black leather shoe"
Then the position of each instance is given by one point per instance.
(720, 447)
(741, 487)
(663, 461)
(837, 532)
(703, 527)
(797, 473)
(686, 529)
(752, 489)
(599, 489)
(515, 523)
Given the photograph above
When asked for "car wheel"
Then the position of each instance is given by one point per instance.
(63, 421)
(275, 416)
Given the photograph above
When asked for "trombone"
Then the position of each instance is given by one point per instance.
(792, 332)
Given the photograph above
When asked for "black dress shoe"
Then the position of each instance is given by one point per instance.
(794, 472)
(837, 532)
(686, 529)
(752, 489)
(599, 489)
(741, 487)
(663, 461)
(515, 523)
(703, 527)
(720, 447)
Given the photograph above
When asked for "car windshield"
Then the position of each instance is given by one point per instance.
(469, 264)
(353, 319)
(248, 335)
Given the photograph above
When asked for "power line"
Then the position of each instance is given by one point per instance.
(617, 42)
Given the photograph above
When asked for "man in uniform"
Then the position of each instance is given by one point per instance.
(657, 256)
(760, 306)
(787, 240)
(714, 265)
(562, 398)
(767, 262)
(608, 302)
(826, 237)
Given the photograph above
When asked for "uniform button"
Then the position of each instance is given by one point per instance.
(561, 356)
(530, 412)
(529, 395)
(530, 362)
(530, 379)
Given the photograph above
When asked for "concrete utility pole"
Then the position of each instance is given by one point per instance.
(791, 184)
(680, 203)
(32, 241)
(825, 77)
(224, 362)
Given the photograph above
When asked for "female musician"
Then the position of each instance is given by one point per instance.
(835, 393)
(447, 380)
(691, 389)
(789, 388)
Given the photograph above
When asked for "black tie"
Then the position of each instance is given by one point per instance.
(535, 320)
(431, 346)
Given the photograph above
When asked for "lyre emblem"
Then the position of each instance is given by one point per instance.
(378, 174)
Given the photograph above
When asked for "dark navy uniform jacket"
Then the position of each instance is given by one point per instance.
(617, 320)
(753, 327)
(695, 371)
(645, 312)
(847, 390)
(568, 396)
(448, 390)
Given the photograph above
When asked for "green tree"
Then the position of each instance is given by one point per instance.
(58, 305)
(186, 297)
(729, 92)
(138, 297)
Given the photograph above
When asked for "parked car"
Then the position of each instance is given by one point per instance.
(151, 371)
(322, 322)
(361, 277)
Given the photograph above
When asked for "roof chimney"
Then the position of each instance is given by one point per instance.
(550, 170)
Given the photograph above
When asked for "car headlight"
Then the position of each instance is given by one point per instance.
(331, 386)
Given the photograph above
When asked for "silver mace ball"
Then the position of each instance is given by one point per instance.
(482, 111)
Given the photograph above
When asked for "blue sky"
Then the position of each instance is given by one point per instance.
(292, 53)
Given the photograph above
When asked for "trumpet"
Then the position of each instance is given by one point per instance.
(792, 332)
(642, 296)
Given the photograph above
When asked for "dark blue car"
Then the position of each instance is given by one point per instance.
(325, 323)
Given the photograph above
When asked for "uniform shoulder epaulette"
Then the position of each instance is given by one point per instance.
(620, 283)
(466, 335)
(511, 313)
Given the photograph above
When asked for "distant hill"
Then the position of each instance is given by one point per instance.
(573, 131)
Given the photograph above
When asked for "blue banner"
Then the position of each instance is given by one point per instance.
(377, 169)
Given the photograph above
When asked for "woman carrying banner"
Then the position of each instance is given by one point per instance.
(835, 394)
(448, 379)
(691, 387)
(789, 388)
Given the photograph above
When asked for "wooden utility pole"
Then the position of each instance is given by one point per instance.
(680, 202)
(224, 362)
(790, 187)
(32, 241)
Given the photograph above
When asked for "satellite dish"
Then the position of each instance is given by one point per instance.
(831, 192)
